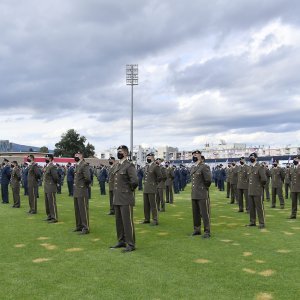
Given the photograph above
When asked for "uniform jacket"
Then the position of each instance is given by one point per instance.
(201, 181)
(170, 176)
(152, 177)
(257, 179)
(243, 177)
(15, 177)
(102, 175)
(33, 175)
(229, 174)
(162, 183)
(125, 181)
(70, 174)
(277, 177)
(234, 175)
(294, 173)
(51, 178)
(82, 179)
(268, 174)
(287, 176)
(6, 174)
(111, 177)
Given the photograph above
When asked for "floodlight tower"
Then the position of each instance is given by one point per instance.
(132, 78)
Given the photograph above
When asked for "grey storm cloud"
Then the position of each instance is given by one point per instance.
(63, 56)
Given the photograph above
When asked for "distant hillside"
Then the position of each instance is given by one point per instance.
(23, 148)
(6, 146)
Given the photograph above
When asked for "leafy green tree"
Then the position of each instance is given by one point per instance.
(44, 149)
(71, 142)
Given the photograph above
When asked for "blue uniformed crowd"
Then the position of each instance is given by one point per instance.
(247, 183)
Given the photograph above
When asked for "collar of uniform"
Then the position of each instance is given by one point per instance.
(122, 160)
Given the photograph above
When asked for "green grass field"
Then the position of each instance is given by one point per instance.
(49, 261)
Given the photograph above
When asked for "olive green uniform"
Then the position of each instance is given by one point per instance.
(50, 189)
(111, 188)
(169, 185)
(201, 181)
(32, 179)
(287, 183)
(152, 177)
(125, 182)
(294, 174)
(257, 179)
(233, 184)
(228, 181)
(266, 187)
(277, 179)
(82, 179)
(15, 185)
(160, 200)
(242, 187)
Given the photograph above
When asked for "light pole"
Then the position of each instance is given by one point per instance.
(132, 78)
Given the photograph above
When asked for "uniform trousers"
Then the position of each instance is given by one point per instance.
(201, 210)
(228, 185)
(233, 188)
(81, 206)
(16, 196)
(169, 193)
(256, 206)
(111, 205)
(102, 187)
(70, 187)
(124, 224)
(277, 191)
(295, 196)
(32, 197)
(243, 193)
(4, 193)
(50, 205)
(287, 188)
(160, 199)
(150, 204)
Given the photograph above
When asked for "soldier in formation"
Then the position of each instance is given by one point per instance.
(125, 181)
(51, 179)
(201, 181)
(151, 179)
(15, 183)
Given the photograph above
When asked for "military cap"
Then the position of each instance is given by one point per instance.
(297, 157)
(123, 147)
(196, 152)
(159, 159)
(253, 154)
(49, 156)
(150, 154)
(241, 158)
(112, 158)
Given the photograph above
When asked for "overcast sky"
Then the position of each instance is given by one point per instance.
(208, 70)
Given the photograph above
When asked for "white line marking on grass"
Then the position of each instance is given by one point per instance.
(40, 260)
(263, 296)
(267, 273)
(202, 261)
(283, 251)
(49, 246)
(250, 271)
(74, 250)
